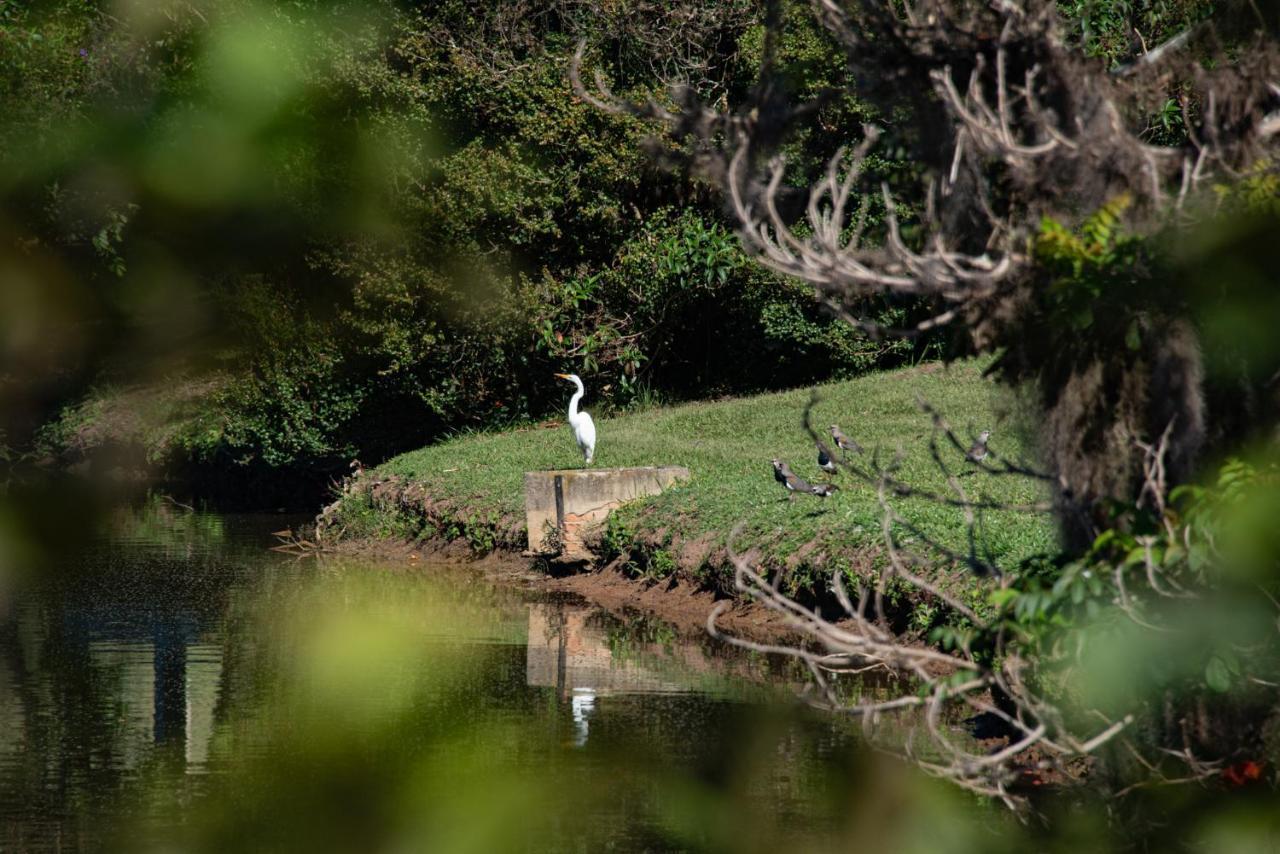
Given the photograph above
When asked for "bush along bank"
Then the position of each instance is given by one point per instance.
(470, 490)
(451, 224)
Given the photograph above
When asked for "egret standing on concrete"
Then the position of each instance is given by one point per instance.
(584, 429)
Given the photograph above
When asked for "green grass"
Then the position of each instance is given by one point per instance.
(727, 446)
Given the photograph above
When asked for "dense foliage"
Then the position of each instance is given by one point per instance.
(355, 228)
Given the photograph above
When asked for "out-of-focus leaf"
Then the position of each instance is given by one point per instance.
(1217, 675)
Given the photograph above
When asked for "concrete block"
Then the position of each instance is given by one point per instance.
(561, 506)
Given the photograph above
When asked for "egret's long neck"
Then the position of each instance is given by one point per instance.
(573, 401)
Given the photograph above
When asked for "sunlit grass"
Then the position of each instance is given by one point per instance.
(727, 446)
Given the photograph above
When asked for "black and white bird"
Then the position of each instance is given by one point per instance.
(793, 483)
(825, 462)
(823, 490)
(843, 442)
(790, 481)
(978, 450)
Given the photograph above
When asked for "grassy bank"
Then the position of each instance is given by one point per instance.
(471, 488)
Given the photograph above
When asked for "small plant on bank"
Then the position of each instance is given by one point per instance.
(660, 564)
(481, 535)
(552, 538)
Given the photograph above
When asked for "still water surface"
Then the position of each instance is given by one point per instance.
(182, 688)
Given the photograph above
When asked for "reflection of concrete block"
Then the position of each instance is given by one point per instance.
(560, 506)
(204, 682)
(13, 718)
(567, 652)
(127, 670)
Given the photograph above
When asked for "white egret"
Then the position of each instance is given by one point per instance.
(584, 429)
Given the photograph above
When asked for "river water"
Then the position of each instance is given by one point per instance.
(180, 687)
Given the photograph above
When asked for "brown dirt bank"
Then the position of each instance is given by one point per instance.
(680, 603)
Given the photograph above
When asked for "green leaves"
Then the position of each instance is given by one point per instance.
(1218, 675)
(1107, 28)
(1100, 230)
(396, 227)
(1091, 272)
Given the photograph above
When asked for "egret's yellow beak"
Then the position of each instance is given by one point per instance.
(563, 376)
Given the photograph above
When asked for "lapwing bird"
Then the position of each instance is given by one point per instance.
(783, 474)
(978, 450)
(843, 442)
(825, 462)
(823, 490)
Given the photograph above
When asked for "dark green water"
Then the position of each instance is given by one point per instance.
(180, 688)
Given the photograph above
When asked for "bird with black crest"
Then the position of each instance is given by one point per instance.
(793, 483)
(978, 450)
(825, 462)
(843, 442)
(790, 481)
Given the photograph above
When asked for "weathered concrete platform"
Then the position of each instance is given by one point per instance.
(560, 506)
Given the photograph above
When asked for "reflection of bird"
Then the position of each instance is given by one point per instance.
(978, 450)
(825, 462)
(582, 704)
(843, 442)
(584, 429)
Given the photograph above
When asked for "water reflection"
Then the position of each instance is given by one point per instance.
(159, 691)
(570, 652)
(181, 664)
(109, 670)
(569, 649)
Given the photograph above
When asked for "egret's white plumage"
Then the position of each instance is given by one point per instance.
(584, 429)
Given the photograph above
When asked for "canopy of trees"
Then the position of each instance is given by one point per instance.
(258, 238)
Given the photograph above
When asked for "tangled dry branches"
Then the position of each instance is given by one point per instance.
(988, 670)
(666, 43)
(1006, 125)
(936, 681)
(1020, 125)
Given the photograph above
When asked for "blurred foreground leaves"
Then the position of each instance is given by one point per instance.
(389, 719)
